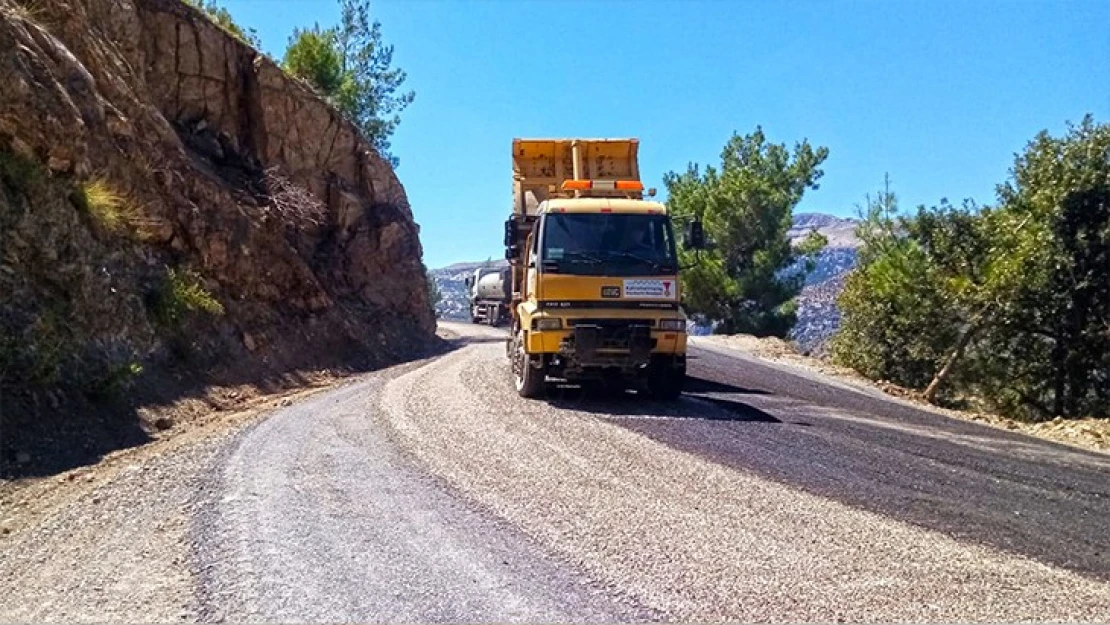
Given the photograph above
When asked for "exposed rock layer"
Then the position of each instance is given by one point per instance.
(226, 167)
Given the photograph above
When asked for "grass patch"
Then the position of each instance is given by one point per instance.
(29, 10)
(182, 293)
(110, 209)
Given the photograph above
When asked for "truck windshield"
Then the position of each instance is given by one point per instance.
(608, 244)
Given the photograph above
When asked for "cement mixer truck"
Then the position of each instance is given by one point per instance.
(595, 292)
(489, 291)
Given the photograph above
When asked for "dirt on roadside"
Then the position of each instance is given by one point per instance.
(212, 412)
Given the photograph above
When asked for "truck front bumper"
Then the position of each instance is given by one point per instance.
(559, 341)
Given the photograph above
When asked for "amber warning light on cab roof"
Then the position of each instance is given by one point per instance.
(605, 185)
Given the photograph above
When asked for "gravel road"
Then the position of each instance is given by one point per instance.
(430, 492)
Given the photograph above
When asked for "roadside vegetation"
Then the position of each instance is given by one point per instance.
(749, 279)
(108, 208)
(434, 294)
(181, 293)
(1006, 306)
(1002, 308)
(351, 65)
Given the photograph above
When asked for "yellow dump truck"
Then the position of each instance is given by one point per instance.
(595, 291)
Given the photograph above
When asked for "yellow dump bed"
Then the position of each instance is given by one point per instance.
(540, 166)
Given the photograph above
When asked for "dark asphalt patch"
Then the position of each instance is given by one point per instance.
(1022, 495)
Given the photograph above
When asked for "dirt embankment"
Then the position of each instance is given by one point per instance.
(177, 213)
(1085, 433)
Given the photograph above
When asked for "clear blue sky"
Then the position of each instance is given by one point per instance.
(939, 94)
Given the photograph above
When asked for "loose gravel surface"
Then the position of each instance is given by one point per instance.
(431, 492)
(116, 550)
(320, 519)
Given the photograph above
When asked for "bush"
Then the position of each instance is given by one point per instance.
(182, 293)
(34, 355)
(107, 207)
(1009, 304)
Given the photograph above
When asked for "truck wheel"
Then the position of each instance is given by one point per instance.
(666, 383)
(529, 380)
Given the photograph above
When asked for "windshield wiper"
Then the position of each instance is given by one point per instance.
(643, 259)
(552, 264)
(584, 256)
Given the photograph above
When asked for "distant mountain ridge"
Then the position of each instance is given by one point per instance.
(840, 231)
(818, 316)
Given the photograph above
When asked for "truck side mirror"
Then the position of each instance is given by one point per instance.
(695, 235)
(512, 240)
(468, 282)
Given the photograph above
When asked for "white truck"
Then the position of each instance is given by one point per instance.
(489, 291)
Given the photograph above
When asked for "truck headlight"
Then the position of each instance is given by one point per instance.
(672, 325)
(548, 323)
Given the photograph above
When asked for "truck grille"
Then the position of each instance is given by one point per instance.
(592, 343)
(611, 323)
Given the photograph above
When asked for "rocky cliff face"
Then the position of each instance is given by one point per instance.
(170, 196)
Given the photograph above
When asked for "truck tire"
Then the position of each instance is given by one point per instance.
(530, 382)
(666, 383)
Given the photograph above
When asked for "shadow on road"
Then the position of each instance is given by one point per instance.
(972, 482)
(632, 404)
(701, 385)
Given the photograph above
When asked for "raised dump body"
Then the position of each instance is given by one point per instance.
(540, 166)
(595, 292)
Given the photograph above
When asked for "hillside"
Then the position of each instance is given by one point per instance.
(817, 314)
(175, 212)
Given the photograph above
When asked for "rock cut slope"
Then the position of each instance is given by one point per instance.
(155, 168)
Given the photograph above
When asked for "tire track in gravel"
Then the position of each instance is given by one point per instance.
(691, 537)
(320, 519)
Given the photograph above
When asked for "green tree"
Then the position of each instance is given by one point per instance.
(750, 278)
(956, 245)
(313, 54)
(352, 66)
(916, 299)
(221, 16)
(1053, 232)
(1010, 304)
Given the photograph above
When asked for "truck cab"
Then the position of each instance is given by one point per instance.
(595, 272)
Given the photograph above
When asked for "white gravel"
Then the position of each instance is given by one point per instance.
(118, 551)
